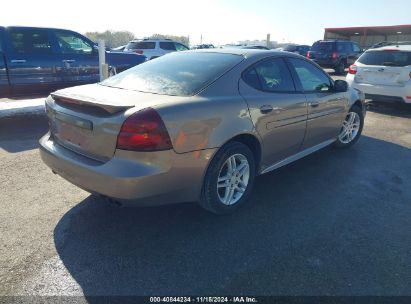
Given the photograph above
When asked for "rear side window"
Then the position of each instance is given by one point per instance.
(312, 78)
(30, 41)
(323, 46)
(142, 45)
(271, 76)
(168, 46)
(71, 43)
(386, 58)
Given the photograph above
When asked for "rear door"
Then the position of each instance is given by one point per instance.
(278, 111)
(387, 67)
(77, 58)
(31, 61)
(325, 107)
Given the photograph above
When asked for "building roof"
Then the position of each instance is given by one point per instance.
(373, 30)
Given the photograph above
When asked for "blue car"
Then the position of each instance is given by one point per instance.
(41, 60)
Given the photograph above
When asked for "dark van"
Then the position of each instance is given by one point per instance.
(334, 54)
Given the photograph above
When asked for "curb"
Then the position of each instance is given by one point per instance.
(22, 108)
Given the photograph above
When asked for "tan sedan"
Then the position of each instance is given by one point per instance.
(197, 126)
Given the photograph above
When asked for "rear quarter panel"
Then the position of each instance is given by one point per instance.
(209, 119)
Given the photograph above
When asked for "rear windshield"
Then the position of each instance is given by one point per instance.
(323, 46)
(386, 58)
(178, 73)
(140, 45)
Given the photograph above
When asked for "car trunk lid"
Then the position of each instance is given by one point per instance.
(382, 75)
(87, 119)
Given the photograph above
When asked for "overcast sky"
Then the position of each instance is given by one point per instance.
(218, 21)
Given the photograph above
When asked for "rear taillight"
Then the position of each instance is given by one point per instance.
(141, 52)
(409, 74)
(352, 69)
(334, 55)
(144, 131)
(309, 55)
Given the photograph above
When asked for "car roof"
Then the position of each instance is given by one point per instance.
(34, 27)
(247, 53)
(406, 48)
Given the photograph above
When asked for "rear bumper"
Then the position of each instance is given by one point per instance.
(147, 178)
(395, 94)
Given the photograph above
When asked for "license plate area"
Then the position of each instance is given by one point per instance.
(71, 129)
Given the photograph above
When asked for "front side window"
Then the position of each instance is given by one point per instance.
(180, 47)
(168, 46)
(271, 75)
(70, 43)
(30, 41)
(312, 78)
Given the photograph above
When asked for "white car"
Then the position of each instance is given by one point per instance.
(153, 48)
(383, 74)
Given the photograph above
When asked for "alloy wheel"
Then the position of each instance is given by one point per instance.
(350, 128)
(233, 179)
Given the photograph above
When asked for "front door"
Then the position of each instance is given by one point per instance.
(31, 61)
(326, 108)
(278, 111)
(78, 60)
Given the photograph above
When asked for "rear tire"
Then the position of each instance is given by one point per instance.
(351, 129)
(229, 179)
(340, 68)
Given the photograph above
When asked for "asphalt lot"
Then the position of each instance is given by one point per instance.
(334, 223)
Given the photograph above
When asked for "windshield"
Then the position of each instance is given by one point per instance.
(386, 58)
(180, 74)
(323, 46)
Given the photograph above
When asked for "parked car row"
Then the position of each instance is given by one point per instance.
(154, 48)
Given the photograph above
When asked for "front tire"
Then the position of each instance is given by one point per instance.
(229, 179)
(351, 129)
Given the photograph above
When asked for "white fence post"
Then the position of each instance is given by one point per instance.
(103, 67)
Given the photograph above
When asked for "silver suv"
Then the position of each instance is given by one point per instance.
(153, 48)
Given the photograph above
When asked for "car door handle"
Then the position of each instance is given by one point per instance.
(18, 61)
(314, 104)
(266, 109)
(68, 60)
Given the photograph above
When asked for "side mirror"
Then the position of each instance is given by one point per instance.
(340, 86)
